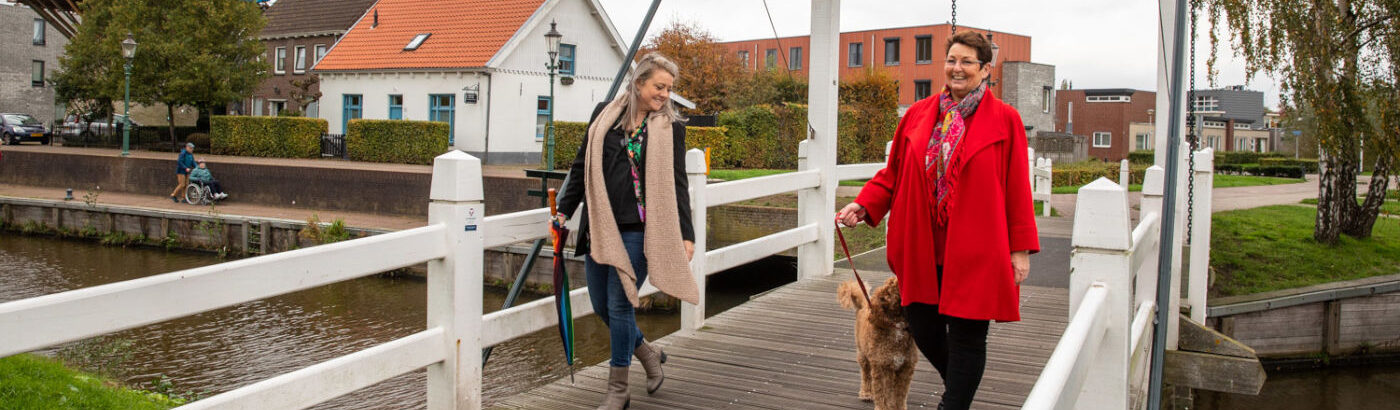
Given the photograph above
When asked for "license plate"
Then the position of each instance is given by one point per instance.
(37, 134)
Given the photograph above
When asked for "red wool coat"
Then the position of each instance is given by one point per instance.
(991, 213)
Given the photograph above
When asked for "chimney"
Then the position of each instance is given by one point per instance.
(1069, 119)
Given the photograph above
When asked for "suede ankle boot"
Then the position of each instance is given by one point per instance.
(617, 398)
(651, 358)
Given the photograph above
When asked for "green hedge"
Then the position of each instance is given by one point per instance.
(567, 137)
(1308, 165)
(1242, 157)
(1084, 172)
(1142, 157)
(285, 137)
(762, 136)
(397, 141)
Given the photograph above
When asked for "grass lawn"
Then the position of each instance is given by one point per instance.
(32, 382)
(1391, 205)
(737, 174)
(1271, 248)
(1221, 181)
(1230, 181)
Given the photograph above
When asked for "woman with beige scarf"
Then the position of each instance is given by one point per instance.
(630, 170)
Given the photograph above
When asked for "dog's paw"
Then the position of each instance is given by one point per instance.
(865, 396)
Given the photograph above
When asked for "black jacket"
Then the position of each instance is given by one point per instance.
(618, 178)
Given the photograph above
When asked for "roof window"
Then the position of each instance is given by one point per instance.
(417, 41)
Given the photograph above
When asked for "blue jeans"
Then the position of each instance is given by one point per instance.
(610, 301)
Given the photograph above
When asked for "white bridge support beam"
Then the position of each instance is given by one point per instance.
(1102, 256)
(693, 316)
(818, 206)
(455, 282)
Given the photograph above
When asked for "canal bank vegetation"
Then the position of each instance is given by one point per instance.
(30, 381)
(1272, 248)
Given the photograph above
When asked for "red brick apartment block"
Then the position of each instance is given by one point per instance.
(912, 55)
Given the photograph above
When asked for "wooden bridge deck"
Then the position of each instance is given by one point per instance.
(793, 348)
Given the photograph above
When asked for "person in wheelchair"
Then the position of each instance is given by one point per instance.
(202, 176)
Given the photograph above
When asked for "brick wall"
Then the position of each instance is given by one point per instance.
(278, 87)
(17, 54)
(1111, 117)
(377, 191)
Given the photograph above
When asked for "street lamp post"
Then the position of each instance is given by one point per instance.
(552, 38)
(128, 52)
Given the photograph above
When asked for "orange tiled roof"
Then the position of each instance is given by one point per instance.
(465, 33)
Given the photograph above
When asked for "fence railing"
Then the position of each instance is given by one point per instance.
(1041, 170)
(1101, 361)
(452, 244)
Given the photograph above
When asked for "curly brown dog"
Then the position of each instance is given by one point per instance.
(886, 351)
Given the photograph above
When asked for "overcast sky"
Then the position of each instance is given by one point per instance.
(1094, 43)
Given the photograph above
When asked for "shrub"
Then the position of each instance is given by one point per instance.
(713, 138)
(397, 141)
(1308, 165)
(200, 140)
(1242, 157)
(567, 138)
(1084, 172)
(752, 132)
(1282, 171)
(1229, 168)
(285, 137)
(1142, 157)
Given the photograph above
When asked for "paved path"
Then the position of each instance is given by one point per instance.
(794, 348)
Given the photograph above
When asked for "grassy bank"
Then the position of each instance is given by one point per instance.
(33, 382)
(737, 174)
(1271, 248)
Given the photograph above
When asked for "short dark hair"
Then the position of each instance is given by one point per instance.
(975, 40)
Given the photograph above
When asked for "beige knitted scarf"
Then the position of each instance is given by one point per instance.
(665, 253)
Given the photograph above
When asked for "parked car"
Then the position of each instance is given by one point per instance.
(77, 126)
(18, 128)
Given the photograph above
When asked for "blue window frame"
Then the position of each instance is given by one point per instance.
(351, 111)
(395, 106)
(441, 108)
(541, 117)
(566, 59)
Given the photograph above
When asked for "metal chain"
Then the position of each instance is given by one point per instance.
(1192, 139)
(955, 16)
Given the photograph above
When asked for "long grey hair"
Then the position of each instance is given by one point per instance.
(646, 67)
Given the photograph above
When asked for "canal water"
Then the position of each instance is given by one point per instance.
(1338, 388)
(217, 351)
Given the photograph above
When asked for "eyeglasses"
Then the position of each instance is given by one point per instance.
(964, 63)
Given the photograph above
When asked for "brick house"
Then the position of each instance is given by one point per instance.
(1235, 120)
(29, 51)
(1107, 117)
(912, 55)
(298, 34)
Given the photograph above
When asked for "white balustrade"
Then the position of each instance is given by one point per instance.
(1200, 234)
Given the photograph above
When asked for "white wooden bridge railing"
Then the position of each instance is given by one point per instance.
(1101, 360)
(452, 244)
(1041, 180)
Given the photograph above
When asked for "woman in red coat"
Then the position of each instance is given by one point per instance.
(961, 222)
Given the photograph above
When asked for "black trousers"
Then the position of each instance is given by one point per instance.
(957, 348)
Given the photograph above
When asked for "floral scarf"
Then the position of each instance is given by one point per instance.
(944, 144)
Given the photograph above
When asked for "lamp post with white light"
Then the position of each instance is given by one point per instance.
(552, 38)
(128, 52)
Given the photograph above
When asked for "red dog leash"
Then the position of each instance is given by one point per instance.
(847, 250)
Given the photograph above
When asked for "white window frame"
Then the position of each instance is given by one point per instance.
(1241, 126)
(299, 58)
(40, 32)
(1047, 99)
(1107, 136)
(279, 60)
(855, 54)
(744, 58)
(1108, 98)
(1213, 124)
(794, 58)
(1142, 139)
(320, 50)
(1205, 103)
